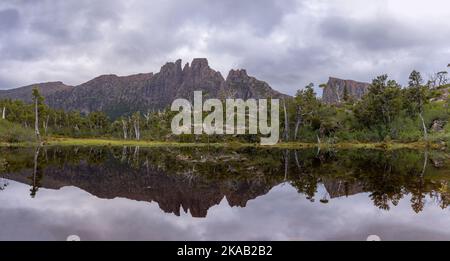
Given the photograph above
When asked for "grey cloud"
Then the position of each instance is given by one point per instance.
(9, 20)
(261, 16)
(72, 22)
(288, 44)
(5, 84)
(374, 34)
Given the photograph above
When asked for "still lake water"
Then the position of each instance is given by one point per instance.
(219, 194)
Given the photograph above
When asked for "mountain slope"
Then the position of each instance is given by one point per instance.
(24, 93)
(148, 92)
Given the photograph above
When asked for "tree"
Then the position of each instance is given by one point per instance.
(98, 121)
(441, 78)
(124, 122)
(286, 122)
(380, 106)
(37, 100)
(415, 78)
(37, 175)
(136, 120)
(306, 105)
(74, 120)
(416, 98)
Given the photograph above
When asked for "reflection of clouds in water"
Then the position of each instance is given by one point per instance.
(281, 214)
(3, 184)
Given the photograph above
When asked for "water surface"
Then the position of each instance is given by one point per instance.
(218, 194)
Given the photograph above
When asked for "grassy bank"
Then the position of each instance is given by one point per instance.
(15, 135)
(290, 145)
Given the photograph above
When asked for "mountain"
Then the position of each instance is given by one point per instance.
(334, 91)
(117, 95)
(172, 192)
(24, 93)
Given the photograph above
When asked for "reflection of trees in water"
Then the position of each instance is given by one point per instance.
(3, 166)
(3, 184)
(388, 176)
(37, 174)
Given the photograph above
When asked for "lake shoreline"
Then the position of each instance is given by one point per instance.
(392, 145)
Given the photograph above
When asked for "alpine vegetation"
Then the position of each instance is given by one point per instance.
(237, 114)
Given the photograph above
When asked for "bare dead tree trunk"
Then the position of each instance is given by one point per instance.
(297, 126)
(136, 155)
(147, 117)
(35, 186)
(296, 160)
(45, 124)
(425, 133)
(286, 164)
(124, 154)
(425, 161)
(4, 113)
(299, 121)
(36, 122)
(125, 129)
(136, 129)
(286, 122)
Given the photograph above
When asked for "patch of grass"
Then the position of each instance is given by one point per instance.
(113, 143)
(390, 145)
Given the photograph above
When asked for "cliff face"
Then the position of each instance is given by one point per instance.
(145, 92)
(338, 90)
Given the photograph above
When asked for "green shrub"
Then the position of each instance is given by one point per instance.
(363, 135)
(13, 133)
(407, 129)
(307, 134)
(435, 111)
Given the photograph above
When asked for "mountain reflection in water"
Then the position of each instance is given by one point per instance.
(195, 180)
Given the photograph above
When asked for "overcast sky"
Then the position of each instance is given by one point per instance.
(286, 43)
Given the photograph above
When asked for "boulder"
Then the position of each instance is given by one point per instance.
(438, 126)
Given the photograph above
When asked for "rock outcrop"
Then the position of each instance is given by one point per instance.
(438, 125)
(337, 90)
(148, 92)
(240, 85)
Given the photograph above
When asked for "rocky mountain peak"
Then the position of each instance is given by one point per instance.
(199, 63)
(239, 75)
(336, 90)
(197, 66)
(239, 84)
(119, 95)
(171, 68)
